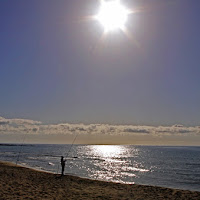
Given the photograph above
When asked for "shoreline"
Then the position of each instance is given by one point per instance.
(68, 174)
(19, 182)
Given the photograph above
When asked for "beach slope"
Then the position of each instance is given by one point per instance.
(23, 183)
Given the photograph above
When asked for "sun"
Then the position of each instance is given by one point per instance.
(112, 15)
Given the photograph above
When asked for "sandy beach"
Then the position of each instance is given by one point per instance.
(18, 182)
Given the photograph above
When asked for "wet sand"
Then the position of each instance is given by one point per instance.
(23, 183)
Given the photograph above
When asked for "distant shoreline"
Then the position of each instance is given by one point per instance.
(147, 145)
(26, 183)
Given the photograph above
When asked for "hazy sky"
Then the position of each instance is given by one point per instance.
(54, 68)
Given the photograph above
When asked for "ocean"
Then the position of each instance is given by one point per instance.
(167, 166)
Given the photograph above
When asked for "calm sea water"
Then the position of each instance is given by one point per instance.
(174, 167)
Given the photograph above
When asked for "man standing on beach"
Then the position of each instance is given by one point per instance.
(62, 165)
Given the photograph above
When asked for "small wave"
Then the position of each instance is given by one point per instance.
(8, 153)
(128, 174)
(187, 173)
(38, 167)
(50, 163)
(114, 161)
(193, 164)
(125, 182)
(33, 158)
(136, 169)
(21, 163)
(94, 158)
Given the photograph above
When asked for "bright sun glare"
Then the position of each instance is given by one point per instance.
(107, 150)
(112, 15)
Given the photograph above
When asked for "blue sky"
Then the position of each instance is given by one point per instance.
(53, 68)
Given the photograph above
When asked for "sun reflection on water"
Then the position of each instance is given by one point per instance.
(114, 163)
(108, 151)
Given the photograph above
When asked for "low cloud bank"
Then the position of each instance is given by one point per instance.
(21, 126)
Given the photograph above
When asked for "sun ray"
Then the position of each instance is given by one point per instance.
(120, 18)
(130, 37)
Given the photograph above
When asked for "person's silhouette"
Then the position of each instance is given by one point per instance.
(62, 165)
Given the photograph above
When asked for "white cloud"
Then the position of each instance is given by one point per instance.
(18, 125)
(21, 126)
